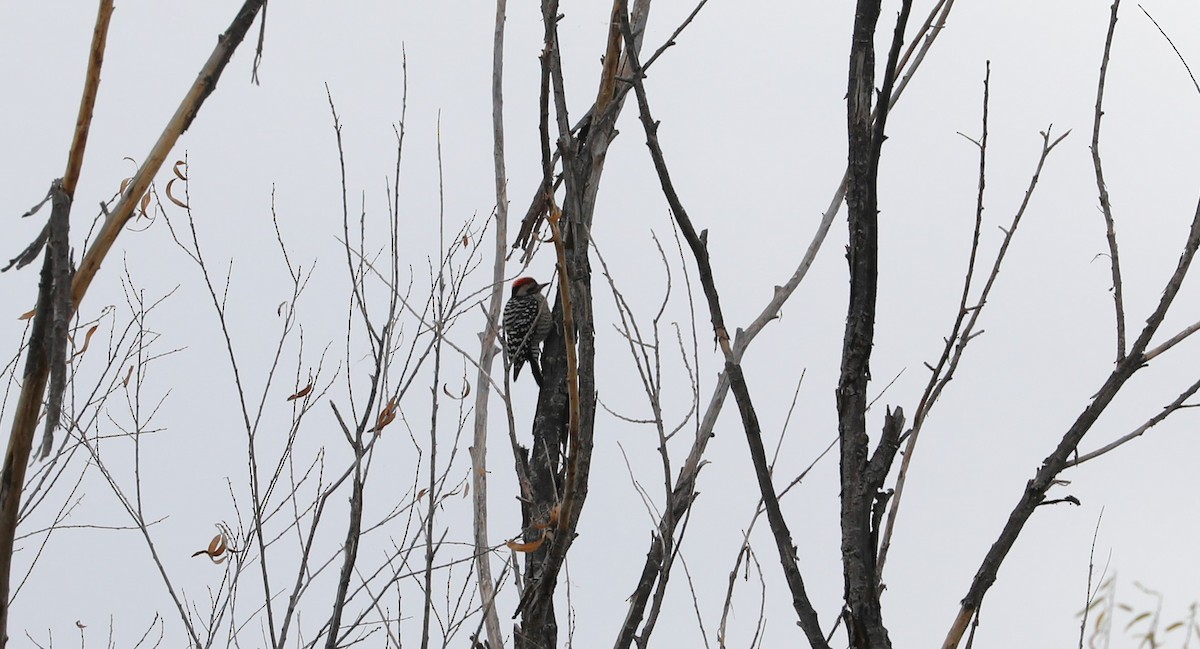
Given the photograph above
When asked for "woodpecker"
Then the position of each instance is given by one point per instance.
(526, 324)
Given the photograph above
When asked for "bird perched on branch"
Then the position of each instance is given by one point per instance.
(527, 322)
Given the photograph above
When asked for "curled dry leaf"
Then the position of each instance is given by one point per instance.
(456, 397)
(145, 201)
(421, 494)
(302, 393)
(80, 625)
(216, 550)
(386, 416)
(466, 240)
(28, 314)
(531, 546)
(87, 340)
(128, 375)
(171, 196)
(180, 169)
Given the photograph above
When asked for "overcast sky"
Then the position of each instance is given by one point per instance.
(751, 101)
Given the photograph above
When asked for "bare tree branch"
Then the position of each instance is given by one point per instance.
(487, 346)
(861, 478)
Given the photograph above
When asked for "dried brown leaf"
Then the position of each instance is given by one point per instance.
(457, 397)
(28, 314)
(302, 393)
(180, 164)
(386, 416)
(87, 340)
(217, 550)
(171, 196)
(143, 204)
(531, 546)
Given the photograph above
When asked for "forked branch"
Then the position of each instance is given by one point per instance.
(804, 609)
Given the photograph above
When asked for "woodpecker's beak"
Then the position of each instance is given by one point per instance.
(542, 286)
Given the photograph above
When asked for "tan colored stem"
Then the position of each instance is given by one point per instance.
(204, 84)
(37, 370)
(958, 628)
(564, 291)
(87, 103)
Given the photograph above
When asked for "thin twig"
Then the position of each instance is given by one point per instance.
(1170, 42)
(1167, 411)
(1105, 205)
(954, 345)
(1172, 341)
(439, 291)
(1087, 603)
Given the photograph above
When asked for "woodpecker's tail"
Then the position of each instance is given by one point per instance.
(536, 369)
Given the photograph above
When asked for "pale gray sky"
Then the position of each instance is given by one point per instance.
(753, 124)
